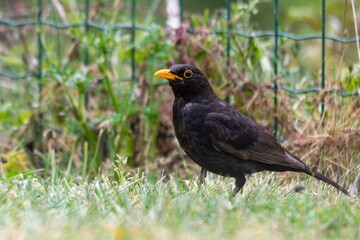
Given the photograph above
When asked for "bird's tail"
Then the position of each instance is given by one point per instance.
(319, 176)
(331, 182)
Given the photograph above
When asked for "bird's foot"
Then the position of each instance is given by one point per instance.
(235, 191)
(239, 183)
(202, 176)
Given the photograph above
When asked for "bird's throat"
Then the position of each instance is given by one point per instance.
(192, 92)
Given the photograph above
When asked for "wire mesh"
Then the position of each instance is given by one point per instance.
(133, 27)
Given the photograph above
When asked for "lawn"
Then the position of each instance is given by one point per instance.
(142, 207)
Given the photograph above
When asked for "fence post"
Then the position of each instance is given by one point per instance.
(228, 35)
(86, 50)
(40, 48)
(38, 120)
(133, 16)
(322, 108)
(181, 5)
(276, 42)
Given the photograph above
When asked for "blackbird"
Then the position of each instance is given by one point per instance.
(220, 139)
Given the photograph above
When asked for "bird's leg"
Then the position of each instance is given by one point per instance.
(239, 183)
(202, 175)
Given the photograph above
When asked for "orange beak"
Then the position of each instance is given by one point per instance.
(165, 73)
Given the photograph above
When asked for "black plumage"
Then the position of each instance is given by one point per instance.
(220, 139)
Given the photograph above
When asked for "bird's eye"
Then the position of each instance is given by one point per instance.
(188, 74)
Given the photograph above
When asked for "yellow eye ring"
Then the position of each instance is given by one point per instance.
(188, 74)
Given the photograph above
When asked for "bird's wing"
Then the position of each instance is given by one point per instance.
(242, 137)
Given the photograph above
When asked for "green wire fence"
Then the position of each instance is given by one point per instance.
(133, 27)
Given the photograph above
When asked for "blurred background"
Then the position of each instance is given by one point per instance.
(78, 96)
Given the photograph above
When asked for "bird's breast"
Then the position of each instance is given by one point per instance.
(189, 118)
(189, 123)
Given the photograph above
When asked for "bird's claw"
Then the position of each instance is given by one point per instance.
(239, 183)
(202, 176)
(235, 191)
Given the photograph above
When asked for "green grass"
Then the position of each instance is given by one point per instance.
(140, 207)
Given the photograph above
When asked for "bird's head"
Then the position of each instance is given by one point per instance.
(186, 80)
